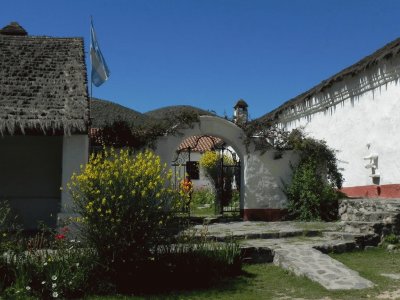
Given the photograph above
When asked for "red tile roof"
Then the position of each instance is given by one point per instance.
(200, 143)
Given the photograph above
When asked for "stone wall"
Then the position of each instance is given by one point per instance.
(373, 216)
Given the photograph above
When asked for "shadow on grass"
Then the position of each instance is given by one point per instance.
(174, 287)
(178, 273)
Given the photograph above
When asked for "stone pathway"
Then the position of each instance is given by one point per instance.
(296, 246)
(264, 230)
(319, 267)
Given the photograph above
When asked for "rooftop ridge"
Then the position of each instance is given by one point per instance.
(386, 52)
(13, 29)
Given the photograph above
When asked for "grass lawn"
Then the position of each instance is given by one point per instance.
(266, 281)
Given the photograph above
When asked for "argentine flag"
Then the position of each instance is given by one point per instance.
(100, 71)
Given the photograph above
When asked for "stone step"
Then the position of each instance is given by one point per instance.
(260, 250)
(262, 235)
(256, 255)
(340, 235)
(319, 267)
(362, 227)
(388, 203)
(336, 247)
(371, 216)
(361, 240)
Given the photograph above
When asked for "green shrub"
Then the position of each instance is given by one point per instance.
(126, 206)
(10, 235)
(310, 198)
(235, 199)
(191, 262)
(391, 239)
(62, 269)
(313, 192)
(203, 196)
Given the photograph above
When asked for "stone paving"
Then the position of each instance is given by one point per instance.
(319, 267)
(251, 230)
(295, 246)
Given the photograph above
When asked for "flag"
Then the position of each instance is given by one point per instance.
(100, 71)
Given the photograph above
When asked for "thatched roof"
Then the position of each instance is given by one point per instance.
(43, 85)
(169, 111)
(103, 112)
(13, 29)
(385, 53)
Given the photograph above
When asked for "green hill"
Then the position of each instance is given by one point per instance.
(104, 112)
(169, 112)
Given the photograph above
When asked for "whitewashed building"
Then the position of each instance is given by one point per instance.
(357, 113)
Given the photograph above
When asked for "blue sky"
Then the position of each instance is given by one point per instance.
(210, 53)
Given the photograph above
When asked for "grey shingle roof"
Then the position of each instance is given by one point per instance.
(43, 85)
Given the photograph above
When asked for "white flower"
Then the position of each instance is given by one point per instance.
(54, 277)
(70, 283)
(54, 285)
(55, 294)
(77, 264)
(45, 264)
(28, 288)
(43, 282)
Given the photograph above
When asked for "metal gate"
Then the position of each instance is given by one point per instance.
(227, 185)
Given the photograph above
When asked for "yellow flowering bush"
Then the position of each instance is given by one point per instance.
(210, 162)
(125, 203)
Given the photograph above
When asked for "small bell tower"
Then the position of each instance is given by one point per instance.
(240, 114)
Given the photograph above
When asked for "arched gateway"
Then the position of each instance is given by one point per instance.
(261, 195)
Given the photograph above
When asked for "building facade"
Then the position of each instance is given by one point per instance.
(44, 118)
(356, 113)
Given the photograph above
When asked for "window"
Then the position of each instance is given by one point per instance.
(192, 168)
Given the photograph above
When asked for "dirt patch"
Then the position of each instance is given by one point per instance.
(389, 295)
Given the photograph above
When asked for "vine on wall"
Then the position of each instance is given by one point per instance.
(313, 192)
(121, 134)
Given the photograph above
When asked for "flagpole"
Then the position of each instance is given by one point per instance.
(90, 95)
(91, 81)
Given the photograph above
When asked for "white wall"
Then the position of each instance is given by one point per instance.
(180, 171)
(75, 154)
(371, 117)
(264, 177)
